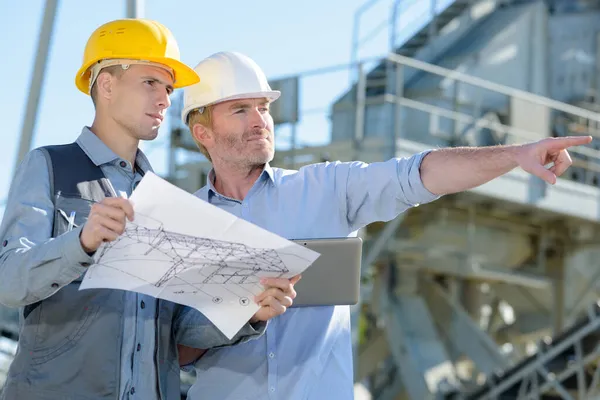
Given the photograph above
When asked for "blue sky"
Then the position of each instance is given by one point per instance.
(284, 37)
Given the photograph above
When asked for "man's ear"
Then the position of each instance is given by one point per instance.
(202, 134)
(105, 85)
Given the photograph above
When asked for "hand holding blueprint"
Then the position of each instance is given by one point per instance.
(183, 249)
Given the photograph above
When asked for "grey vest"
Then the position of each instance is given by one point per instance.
(70, 342)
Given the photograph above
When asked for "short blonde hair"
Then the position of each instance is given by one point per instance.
(203, 118)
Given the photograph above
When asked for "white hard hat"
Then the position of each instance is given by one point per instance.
(226, 76)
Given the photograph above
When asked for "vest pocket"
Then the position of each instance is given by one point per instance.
(70, 209)
(70, 212)
(59, 322)
(77, 337)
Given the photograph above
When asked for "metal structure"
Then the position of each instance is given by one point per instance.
(564, 368)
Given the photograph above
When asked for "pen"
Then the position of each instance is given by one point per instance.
(71, 221)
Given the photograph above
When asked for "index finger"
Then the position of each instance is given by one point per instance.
(295, 279)
(280, 283)
(568, 141)
(121, 203)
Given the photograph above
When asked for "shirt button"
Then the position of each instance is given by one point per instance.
(54, 285)
(123, 164)
(132, 391)
(271, 389)
(143, 305)
(4, 243)
(139, 346)
(272, 355)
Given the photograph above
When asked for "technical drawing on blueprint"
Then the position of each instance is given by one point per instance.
(194, 254)
(195, 263)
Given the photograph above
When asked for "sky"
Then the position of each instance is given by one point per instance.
(284, 37)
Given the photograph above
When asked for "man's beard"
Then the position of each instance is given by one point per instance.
(237, 145)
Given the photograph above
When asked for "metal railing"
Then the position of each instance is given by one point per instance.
(566, 366)
(397, 94)
(458, 76)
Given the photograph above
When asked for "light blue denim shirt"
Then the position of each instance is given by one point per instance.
(306, 352)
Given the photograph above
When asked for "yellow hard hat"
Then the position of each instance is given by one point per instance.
(134, 39)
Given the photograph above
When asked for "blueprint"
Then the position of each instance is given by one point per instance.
(182, 249)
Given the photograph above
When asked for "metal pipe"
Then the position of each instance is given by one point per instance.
(134, 9)
(37, 80)
(433, 23)
(356, 32)
(399, 93)
(393, 26)
(359, 123)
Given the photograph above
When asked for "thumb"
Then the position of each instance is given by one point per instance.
(541, 172)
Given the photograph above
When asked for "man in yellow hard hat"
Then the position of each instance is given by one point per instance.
(65, 202)
(306, 353)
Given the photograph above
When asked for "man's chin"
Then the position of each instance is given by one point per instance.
(262, 159)
(150, 135)
(269, 156)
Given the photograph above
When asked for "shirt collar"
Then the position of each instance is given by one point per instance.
(267, 173)
(101, 154)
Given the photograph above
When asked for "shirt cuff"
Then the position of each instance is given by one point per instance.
(247, 333)
(252, 331)
(421, 194)
(76, 258)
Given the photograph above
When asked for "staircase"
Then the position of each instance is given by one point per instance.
(428, 32)
(565, 367)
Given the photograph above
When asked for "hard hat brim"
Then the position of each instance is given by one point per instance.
(272, 95)
(184, 75)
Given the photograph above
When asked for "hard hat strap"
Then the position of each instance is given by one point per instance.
(125, 64)
(200, 110)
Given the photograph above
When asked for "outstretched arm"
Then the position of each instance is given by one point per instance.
(457, 169)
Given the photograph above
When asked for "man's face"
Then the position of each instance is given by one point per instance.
(242, 132)
(139, 100)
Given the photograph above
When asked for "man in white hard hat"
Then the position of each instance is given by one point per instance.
(306, 352)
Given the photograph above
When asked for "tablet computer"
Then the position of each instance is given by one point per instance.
(334, 278)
